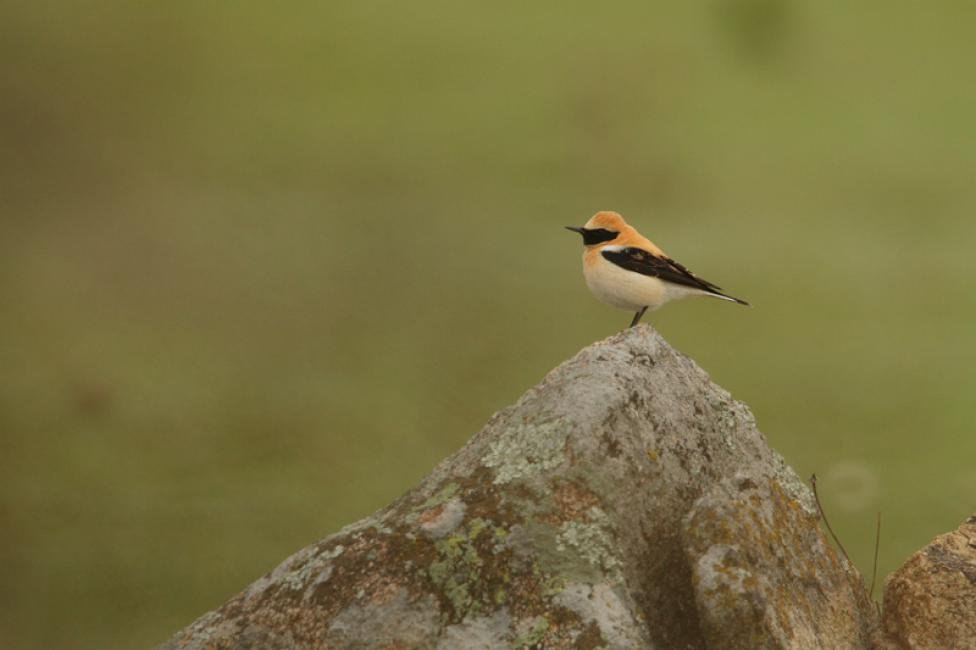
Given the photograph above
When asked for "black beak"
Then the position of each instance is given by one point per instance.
(575, 229)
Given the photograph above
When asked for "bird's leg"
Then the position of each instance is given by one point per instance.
(638, 316)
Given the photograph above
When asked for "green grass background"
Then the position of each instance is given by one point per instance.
(263, 265)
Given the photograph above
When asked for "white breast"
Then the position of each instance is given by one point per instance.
(629, 290)
(623, 289)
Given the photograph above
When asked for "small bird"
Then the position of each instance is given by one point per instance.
(626, 270)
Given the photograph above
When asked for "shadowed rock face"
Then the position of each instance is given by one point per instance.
(624, 502)
(930, 602)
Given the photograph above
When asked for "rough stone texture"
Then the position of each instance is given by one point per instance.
(624, 502)
(763, 575)
(930, 602)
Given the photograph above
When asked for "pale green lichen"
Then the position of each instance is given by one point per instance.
(591, 540)
(793, 485)
(445, 494)
(534, 630)
(552, 566)
(551, 586)
(728, 439)
(458, 567)
(475, 527)
(298, 577)
(500, 595)
(527, 449)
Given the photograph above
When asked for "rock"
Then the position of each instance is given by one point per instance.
(930, 602)
(624, 502)
(764, 576)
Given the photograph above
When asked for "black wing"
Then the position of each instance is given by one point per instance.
(641, 261)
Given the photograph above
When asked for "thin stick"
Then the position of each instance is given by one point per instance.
(813, 482)
(877, 545)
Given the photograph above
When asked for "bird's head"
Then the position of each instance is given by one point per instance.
(601, 228)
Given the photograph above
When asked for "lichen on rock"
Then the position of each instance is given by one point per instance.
(592, 540)
(764, 576)
(527, 449)
(602, 510)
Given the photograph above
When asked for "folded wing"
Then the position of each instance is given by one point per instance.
(640, 261)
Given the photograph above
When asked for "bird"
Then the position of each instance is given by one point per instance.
(626, 270)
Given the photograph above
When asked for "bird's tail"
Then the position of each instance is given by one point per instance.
(719, 294)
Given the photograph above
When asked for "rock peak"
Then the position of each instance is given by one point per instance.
(626, 501)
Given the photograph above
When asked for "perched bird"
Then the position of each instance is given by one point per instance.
(626, 270)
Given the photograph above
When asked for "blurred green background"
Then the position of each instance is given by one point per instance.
(263, 266)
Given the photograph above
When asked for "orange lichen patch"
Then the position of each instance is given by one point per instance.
(571, 502)
(367, 567)
(565, 631)
(384, 591)
(428, 516)
(736, 535)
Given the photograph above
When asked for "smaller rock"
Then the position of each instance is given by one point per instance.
(765, 576)
(930, 602)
